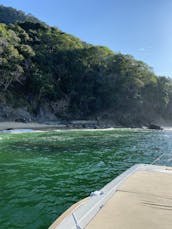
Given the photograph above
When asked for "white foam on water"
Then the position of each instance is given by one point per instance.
(167, 128)
(18, 131)
(87, 129)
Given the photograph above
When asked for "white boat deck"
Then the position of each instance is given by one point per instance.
(139, 198)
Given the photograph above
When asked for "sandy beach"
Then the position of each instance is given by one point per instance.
(5, 126)
(31, 125)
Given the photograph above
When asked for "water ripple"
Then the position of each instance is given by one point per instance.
(42, 174)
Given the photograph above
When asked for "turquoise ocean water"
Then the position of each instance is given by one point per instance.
(43, 173)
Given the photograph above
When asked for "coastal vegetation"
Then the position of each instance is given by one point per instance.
(47, 74)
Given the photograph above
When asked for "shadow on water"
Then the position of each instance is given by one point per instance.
(42, 174)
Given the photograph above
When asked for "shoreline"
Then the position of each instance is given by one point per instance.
(10, 126)
(35, 126)
(32, 125)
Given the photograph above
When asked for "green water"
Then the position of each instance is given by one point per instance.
(42, 174)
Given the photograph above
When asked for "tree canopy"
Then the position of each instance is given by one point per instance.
(42, 64)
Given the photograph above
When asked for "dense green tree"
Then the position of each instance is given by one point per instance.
(10, 15)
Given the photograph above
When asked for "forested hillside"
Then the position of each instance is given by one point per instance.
(10, 15)
(46, 74)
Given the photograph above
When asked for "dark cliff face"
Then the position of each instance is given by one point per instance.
(47, 74)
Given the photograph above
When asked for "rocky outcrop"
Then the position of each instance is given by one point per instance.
(9, 113)
(59, 113)
(154, 127)
(45, 113)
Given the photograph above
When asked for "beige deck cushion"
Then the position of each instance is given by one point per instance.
(143, 201)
